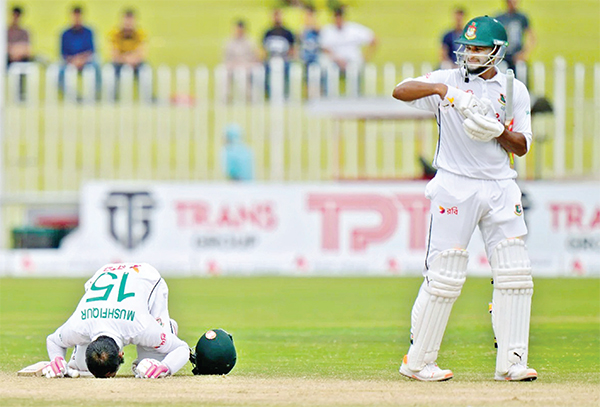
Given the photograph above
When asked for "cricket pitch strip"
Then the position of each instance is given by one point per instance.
(250, 391)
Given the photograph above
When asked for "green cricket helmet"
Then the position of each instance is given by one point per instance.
(486, 32)
(214, 353)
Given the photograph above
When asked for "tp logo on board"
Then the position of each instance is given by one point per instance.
(129, 217)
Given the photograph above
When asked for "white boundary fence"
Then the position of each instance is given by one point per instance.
(168, 123)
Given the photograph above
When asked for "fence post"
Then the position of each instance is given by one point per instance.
(560, 112)
(314, 124)
(88, 134)
(201, 124)
(258, 120)
(539, 124)
(277, 99)
(596, 137)
(578, 119)
(145, 134)
(163, 122)
(182, 122)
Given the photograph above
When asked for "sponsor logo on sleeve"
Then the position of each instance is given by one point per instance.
(163, 340)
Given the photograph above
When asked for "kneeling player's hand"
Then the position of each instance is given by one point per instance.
(150, 369)
(482, 128)
(56, 368)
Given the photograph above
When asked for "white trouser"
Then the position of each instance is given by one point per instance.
(459, 204)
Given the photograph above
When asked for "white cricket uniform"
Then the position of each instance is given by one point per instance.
(127, 302)
(475, 184)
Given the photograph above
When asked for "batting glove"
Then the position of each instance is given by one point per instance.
(482, 128)
(56, 368)
(150, 369)
(463, 101)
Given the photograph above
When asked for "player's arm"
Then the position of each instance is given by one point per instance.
(408, 91)
(513, 142)
(161, 341)
(57, 344)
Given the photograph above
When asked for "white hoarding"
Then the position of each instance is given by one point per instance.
(300, 229)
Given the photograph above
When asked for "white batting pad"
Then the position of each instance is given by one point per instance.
(511, 302)
(430, 314)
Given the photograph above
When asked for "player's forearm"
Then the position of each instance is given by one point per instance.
(513, 142)
(413, 90)
(54, 346)
(177, 358)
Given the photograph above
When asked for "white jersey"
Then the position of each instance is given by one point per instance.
(117, 303)
(346, 43)
(455, 151)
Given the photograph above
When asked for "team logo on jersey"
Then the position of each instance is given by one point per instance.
(448, 211)
(129, 217)
(502, 99)
(471, 32)
(518, 209)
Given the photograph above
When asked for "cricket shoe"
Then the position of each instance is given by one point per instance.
(430, 373)
(518, 372)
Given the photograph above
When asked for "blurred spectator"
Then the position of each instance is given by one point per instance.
(343, 41)
(240, 51)
(309, 38)
(77, 47)
(278, 41)
(128, 44)
(19, 48)
(447, 55)
(521, 38)
(237, 156)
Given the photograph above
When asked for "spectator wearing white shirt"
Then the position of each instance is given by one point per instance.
(343, 41)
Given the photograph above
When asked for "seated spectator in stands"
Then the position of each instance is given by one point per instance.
(447, 55)
(128, 44)
(278, 41)
(342, 41)
(521, 38)
(18, 47)
(278, 44)
(240, 51)
(237, 157)
(309, 38)
(77, 47)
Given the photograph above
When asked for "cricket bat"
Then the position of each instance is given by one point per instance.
(509, 117)
(33, 370)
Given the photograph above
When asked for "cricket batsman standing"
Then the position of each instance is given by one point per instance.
(123, 304)
(474, 186)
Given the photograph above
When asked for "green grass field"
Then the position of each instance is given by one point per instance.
(331, 328)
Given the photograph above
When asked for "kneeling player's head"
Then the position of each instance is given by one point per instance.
(103, 357)
(214, 353)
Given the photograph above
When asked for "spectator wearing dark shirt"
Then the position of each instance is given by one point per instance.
(521, 39)
(278, 41)
(447, 56)
(77, 47)
(278, 44)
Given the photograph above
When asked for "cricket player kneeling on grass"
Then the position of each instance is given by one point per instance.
(123, 304)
